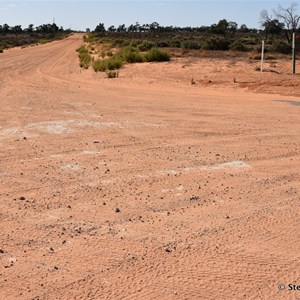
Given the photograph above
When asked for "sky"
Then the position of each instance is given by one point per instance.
(80, 15)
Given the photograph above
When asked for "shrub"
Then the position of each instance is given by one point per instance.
(102, 54)
(191, 45)
(112, 74)
(117, 42)
(238, 46)
(146, 45)
(216, 44)
(112, 63)
(1, 50)
(125, 43)
(250, 41)
(281, 47)
(109, 53)
(99, 65)
(176, 44)
(134, 43)
(156, 54)
(258, 48)
(164, 43)
(132, 55)
(84, 57)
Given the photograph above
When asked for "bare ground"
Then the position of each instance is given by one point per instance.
(145, 186)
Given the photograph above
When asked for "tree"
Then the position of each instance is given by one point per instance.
(29, 29)
(228, 29)
(5, 28)
(111, 28)
(121, 28)
(271, 26)
(100, 28)
(289, 18)
(17, 29)
(154, 26)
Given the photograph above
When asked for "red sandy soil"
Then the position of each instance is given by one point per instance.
(145, 186)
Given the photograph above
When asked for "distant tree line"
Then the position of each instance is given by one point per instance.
(5, 29)
(13, 36)
(222, 27)
(274, 29)
(285, 22)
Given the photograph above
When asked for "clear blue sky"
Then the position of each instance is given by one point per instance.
(83, 14)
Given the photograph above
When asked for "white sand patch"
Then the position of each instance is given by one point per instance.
(168, 172)
(107, 181)
(72, 113)
(67, 126)
(72, 166)
(143, 124)
(237, 164)
(142, 176)
(90, 152)
(6, 132)
(14, 132)
(52, 127)
(97, 124)
(179, 188)
(56, 156)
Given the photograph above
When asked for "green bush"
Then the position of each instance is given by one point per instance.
(250, 41)
(156, 54)
(238, 46)
(113, 63)
(258, 48)
(135, 43)
(164, 43)
(117, 42)
(112, 74)
(125, 43)
(176, 44)
(99, 65)
(191, 45)
(146, 45)
(84, 57)
(281, 47)
(109, 53)
(216, 44)
(132, 55)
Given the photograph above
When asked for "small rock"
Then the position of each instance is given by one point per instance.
(167, 249)
(22, 198)
(96, 142)
(117, 210)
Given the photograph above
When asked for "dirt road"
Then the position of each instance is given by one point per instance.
(139, 189)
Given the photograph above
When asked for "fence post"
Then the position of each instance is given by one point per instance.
(262, 55)
(294, 54)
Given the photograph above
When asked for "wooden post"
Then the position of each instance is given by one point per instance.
(262, 55)
(294, 54)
